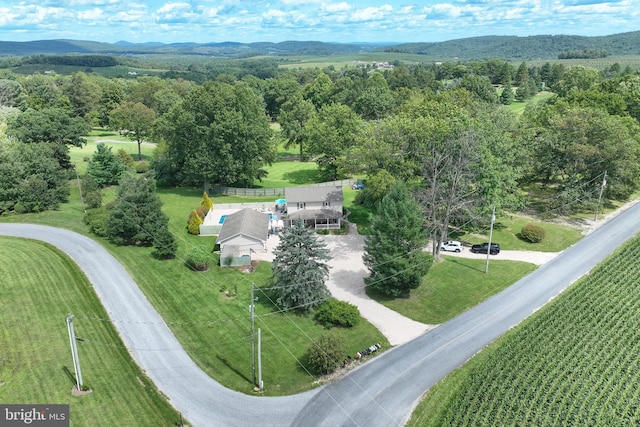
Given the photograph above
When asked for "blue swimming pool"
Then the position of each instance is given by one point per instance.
(222, 218)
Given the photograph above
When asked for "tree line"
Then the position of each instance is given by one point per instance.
(441, 129)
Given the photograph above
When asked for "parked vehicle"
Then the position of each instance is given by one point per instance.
(451, 246)
(359, 186)
(482, 248)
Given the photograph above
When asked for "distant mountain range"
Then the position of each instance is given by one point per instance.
(472, 48)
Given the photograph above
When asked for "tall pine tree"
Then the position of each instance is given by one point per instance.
(298, 270)
(394, 247)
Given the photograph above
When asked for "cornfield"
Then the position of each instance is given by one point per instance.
(575, 363)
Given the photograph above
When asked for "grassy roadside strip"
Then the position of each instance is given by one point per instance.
(454, 285)
(40, 286)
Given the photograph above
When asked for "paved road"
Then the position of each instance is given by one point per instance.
(382, 392)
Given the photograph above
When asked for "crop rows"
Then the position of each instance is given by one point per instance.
(575, 363)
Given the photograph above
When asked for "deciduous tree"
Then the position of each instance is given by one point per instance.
(218, 134)
(134, 120)
(50, 125)
(330, 134)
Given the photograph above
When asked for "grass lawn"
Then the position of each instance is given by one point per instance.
(290, 174)
(81, 155)
(518, 107)
(359, 215)
(40, 286)
(454, 285)
(506, 230)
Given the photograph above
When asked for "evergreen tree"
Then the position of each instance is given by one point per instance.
(298, 270)
(165, 244)
(506, 97)
(522, 93)
(206, 202)
(393, 249)
(105, 167)
(136, 217)
(194, 223)
(522, 75)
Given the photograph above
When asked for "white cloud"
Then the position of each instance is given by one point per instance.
(371, 13)
(336, 7)
(95, 14)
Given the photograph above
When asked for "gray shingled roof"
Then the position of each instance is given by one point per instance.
(313, 194)
(248, 222)
(315, 213)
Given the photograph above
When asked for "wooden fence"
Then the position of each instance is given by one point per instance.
(277, 192)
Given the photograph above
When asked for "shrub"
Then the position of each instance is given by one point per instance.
(337, 313)
(141, 167)
(206, 201)
(326, 353)
(91, 190)
(532, 233)
(199, 258)
(98, 221)
(126, 158)
(93, 199)
(194, 223)
(200, 211)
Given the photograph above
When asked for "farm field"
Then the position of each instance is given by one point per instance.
(574, 363)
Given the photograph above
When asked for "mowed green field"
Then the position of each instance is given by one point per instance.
(453, 286)
(39, 288)
(576, 362)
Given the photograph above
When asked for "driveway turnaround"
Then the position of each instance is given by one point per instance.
(382, 392)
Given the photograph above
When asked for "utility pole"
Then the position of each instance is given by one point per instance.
(604, 182)
(260, 383)
(79, 187)
(74, 352)
(493, 219)
(253, 352)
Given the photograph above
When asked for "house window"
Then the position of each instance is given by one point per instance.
(326, 204)
(301, 205)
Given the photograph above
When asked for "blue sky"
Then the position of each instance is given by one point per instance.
(325, 20)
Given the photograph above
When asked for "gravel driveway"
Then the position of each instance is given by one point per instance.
(347, 273)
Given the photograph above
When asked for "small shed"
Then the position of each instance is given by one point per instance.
(244, 232)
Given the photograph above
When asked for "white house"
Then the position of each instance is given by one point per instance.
(243, 232)
(319, 207)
